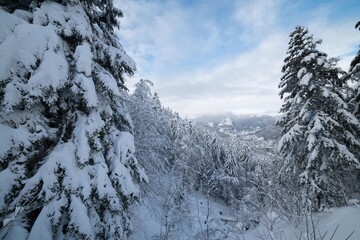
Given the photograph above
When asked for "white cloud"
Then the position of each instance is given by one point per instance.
(339, 39)
(248, 81)
(238, 104)
(162, 35)
(257, 13)
(207, 61)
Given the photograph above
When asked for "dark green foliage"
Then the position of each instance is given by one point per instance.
(12, 5)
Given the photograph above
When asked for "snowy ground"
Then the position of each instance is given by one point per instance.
(336, 223)
(203, 215)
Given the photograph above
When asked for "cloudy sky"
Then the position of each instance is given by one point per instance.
(212, 56)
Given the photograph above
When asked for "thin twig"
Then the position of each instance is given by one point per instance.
(350, 235)
(332, 236)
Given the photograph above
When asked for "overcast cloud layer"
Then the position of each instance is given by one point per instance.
(209, 56)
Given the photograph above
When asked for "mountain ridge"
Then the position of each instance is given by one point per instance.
(230, 124)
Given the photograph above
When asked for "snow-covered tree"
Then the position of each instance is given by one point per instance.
(156, 133)
(318, 141)
(354, 74)
(355, 63)
(185, 159)
(231, 179)
(67, 164)
(150, 128)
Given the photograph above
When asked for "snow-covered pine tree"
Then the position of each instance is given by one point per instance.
(233, 173)
(317, 139)
(67, 165)
(354, 74)
(150, 128)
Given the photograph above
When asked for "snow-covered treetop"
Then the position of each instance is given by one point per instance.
(355, 63)
(143, 89)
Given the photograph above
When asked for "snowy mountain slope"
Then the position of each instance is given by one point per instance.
(230, 124)
(226, 122)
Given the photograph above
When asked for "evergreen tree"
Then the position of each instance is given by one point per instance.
(354, 74)
(318, 143)
(67, 164)
(17, 4)
(355, 63)
(233, 176)
(150, 133)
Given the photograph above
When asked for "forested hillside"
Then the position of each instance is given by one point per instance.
(82, 157)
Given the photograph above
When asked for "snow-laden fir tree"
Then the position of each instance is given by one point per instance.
(354, 74)
(67, 165)
(232, 173)
(150, 128)
(318, 142)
